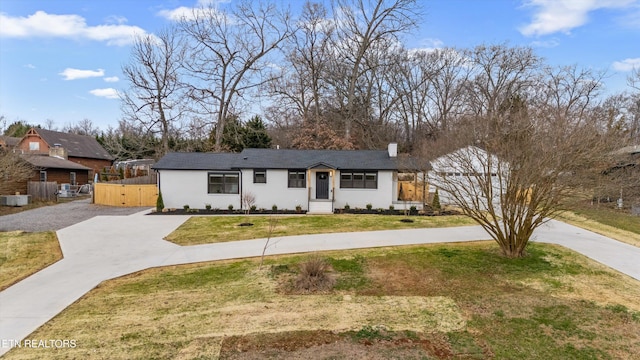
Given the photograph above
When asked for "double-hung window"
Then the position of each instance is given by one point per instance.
(354, 179)
(297, 179)
(223, 183)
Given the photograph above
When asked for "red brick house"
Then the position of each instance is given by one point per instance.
(80, 149)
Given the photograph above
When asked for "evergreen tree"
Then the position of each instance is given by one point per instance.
(255, 134)
(435, 204)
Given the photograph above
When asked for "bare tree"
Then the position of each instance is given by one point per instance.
(155, 100)
(301, 84)
(83, 127)
(362, 27)
(633, 80)
(227, 53)
(248, 201)
(272, 224)
(14, 171)
(499, 72)
(525, 159)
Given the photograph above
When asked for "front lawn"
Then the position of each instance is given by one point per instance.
(212, 229)
(23, 253)
(440, 301)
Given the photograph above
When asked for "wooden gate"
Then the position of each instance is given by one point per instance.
(125, 195)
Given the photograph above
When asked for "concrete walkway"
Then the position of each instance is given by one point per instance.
(106, 247)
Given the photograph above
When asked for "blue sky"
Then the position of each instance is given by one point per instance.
(61, 59)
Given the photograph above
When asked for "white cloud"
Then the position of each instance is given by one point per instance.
(29, 66)
(114, 19)
(431, 44)
(112, 79)
(546, 43)
(73, 74)
(109, 93)
(41, 24)
(627, 64)
(551, 16)
(203, 8)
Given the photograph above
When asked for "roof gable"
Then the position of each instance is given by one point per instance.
(76, 145)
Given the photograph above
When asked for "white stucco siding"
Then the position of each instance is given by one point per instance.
(275, 191)
(381, 197)
(190, 187)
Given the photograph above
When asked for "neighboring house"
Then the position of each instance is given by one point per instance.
(316, 180)
(457, 175)
(52, 169)
(8, 142)
(80, 149)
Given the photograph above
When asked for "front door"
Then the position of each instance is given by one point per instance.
(322, 185)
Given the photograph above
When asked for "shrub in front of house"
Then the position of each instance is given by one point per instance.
(159, 202)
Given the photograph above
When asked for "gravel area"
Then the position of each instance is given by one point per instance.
(56, 217)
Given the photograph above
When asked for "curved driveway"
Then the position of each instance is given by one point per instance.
(105, 247)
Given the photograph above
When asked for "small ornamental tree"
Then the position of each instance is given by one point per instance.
(435, 203)
(519, 170)
(159, 202)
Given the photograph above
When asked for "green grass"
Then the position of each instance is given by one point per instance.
(615, 218)
(23, 253)
(212, 229)
(529, 308)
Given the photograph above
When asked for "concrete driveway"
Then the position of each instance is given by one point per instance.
(105, 247)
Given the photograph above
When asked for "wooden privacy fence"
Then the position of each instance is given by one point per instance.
(42, 191)
(125, 195)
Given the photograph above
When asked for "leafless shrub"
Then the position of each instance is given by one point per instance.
(248, 201)
(314, 275)
(14, 171)
(273, 222)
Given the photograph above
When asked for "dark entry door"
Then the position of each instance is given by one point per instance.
(322, 185)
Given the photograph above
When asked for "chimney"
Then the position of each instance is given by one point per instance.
(393, 150)
(58, 151)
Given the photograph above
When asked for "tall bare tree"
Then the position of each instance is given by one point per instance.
(364, 26)
(301, 85)
(227, 55)
(155, 98)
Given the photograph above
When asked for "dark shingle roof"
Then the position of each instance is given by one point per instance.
(196, 161)
(9, 141)
(279, 159)
(304, 159)
(76, 145)
(49, 162)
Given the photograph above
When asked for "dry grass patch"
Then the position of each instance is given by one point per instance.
(436, 301)
(23, 254)
(212, 229)
(626, 236)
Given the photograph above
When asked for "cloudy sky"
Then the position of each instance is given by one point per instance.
(61, 59)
